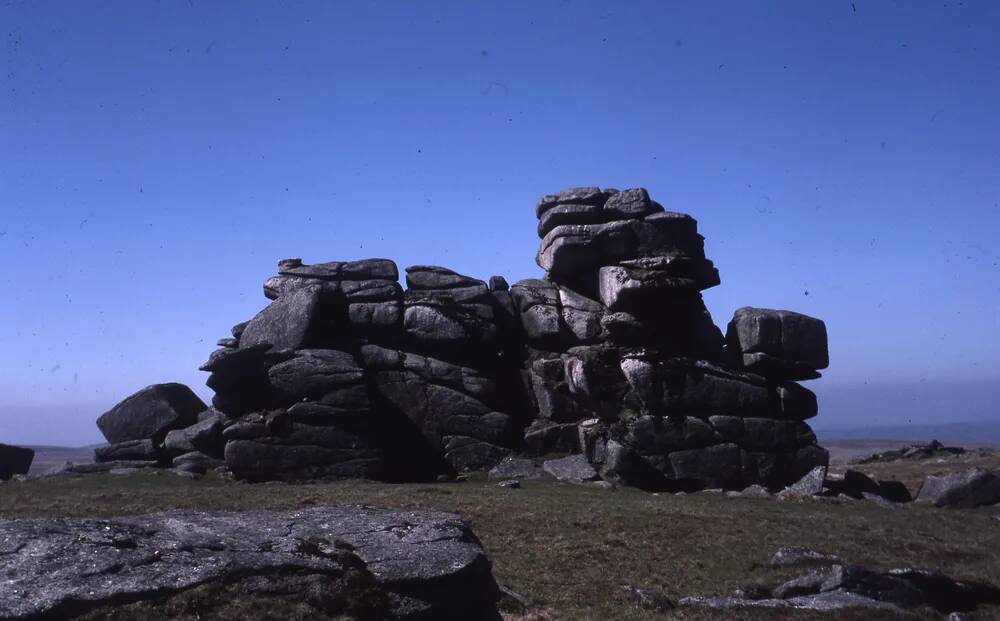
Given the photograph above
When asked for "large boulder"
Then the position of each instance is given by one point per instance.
(371, 563)
(970, 488)
(14, 460)
(287, 323)
(151, 413)
(572, 249)
(777, 343)
(204, 436)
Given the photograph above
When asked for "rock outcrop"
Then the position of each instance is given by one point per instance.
(625, 364)
(14, 460)
(612, 355)
(837, 585)
(932, 449)
(359, 562)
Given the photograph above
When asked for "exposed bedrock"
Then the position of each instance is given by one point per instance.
(612, 354)
(353, 561)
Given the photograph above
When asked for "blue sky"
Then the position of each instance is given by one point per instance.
(158, 158)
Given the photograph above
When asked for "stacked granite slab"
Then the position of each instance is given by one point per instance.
(624, 363)
(347, 374)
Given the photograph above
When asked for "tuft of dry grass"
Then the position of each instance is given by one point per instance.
(568, 548)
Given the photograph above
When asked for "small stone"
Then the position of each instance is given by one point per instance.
(809, 485)
(649, 599)
(789, 556)
(510, 484)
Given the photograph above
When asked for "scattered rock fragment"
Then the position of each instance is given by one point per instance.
(151, 413)
(793, 556)
(612, 355)
(649, 599)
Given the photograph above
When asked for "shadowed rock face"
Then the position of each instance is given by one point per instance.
(612, 355)
(14, 460)
(374, 563)
(971, 488)
(151, 413)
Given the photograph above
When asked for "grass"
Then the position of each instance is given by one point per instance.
(569, 548)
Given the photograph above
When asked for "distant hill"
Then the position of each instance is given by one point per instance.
(976, 433)
(51, 457)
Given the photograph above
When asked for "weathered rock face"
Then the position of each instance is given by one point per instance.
(368, 563)
(151, 413)
(14, 460)
(619, 344)
(612, 355)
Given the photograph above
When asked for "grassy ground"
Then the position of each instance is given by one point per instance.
(569, 548)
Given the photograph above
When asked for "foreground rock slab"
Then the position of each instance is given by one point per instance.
(370, 562)
(839, 585)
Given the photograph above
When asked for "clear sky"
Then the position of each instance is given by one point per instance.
(158, 158)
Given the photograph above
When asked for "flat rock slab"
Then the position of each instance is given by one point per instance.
(572, 468)
(823, 602)
(151, 413)
(411, 563)
(515, 468)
